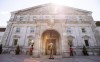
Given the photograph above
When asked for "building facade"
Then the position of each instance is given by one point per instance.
(97, 32)
(63, 26)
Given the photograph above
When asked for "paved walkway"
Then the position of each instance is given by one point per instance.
(26, 58)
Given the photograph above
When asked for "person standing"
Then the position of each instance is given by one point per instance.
(51, 50)
(71, 51)
(31, 50)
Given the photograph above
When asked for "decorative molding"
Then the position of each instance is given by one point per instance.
(70, 37)
(16, 36)
(30, 36)
(86, 37)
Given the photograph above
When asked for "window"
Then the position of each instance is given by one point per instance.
(80, 18)
(34, 17)
(86, 42)
(21, 18)
(68, 30)
(31, 29)
(83, 30)
(17, 30)
(15, 42)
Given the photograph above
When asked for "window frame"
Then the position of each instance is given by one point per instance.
(31, 29)
(69, 30)
(17, 30)
(83, 30)
(21, 18)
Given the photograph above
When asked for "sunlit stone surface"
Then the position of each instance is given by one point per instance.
(50, 23)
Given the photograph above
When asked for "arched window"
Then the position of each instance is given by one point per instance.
(69, 30)
(70, 40)
(86, 42)
(15, 41)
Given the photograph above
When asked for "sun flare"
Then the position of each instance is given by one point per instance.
(60, 2)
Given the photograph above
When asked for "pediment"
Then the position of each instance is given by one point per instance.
(86, 37)
(51, 9)
(70, 37)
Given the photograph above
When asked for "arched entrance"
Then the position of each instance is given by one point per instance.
(49, 36)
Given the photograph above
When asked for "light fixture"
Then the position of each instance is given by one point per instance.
(32, 41)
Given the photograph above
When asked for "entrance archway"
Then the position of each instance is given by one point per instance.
(49, 36)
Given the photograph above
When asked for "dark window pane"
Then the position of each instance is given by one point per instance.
(15, 41)
(21, 18)
(83, 30)
(86, 42)
(17, 30)
(31, 29)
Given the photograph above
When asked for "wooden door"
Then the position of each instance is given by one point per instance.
(47, 51)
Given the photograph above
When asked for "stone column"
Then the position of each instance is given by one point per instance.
(36, 50)
(65, 46)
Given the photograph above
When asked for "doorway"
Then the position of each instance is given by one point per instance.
(47, 51)
(49, 36)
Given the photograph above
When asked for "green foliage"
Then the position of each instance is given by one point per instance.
(0, 48)
(17, 51)
(85, 51)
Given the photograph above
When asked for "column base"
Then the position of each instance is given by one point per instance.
(66, 54)
(36, 55)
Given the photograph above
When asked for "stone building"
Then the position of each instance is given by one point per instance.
(43, 24)
(97, 32)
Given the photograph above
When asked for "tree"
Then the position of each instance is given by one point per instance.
(17, 51)
(84, 51)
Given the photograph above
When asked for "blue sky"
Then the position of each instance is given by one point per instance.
(7, 6)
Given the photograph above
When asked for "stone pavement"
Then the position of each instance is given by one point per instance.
(26, 58)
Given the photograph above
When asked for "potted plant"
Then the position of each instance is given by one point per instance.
(84, 51)
(17, 51)
(0, 48)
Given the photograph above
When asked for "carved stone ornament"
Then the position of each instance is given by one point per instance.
(51, 22)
